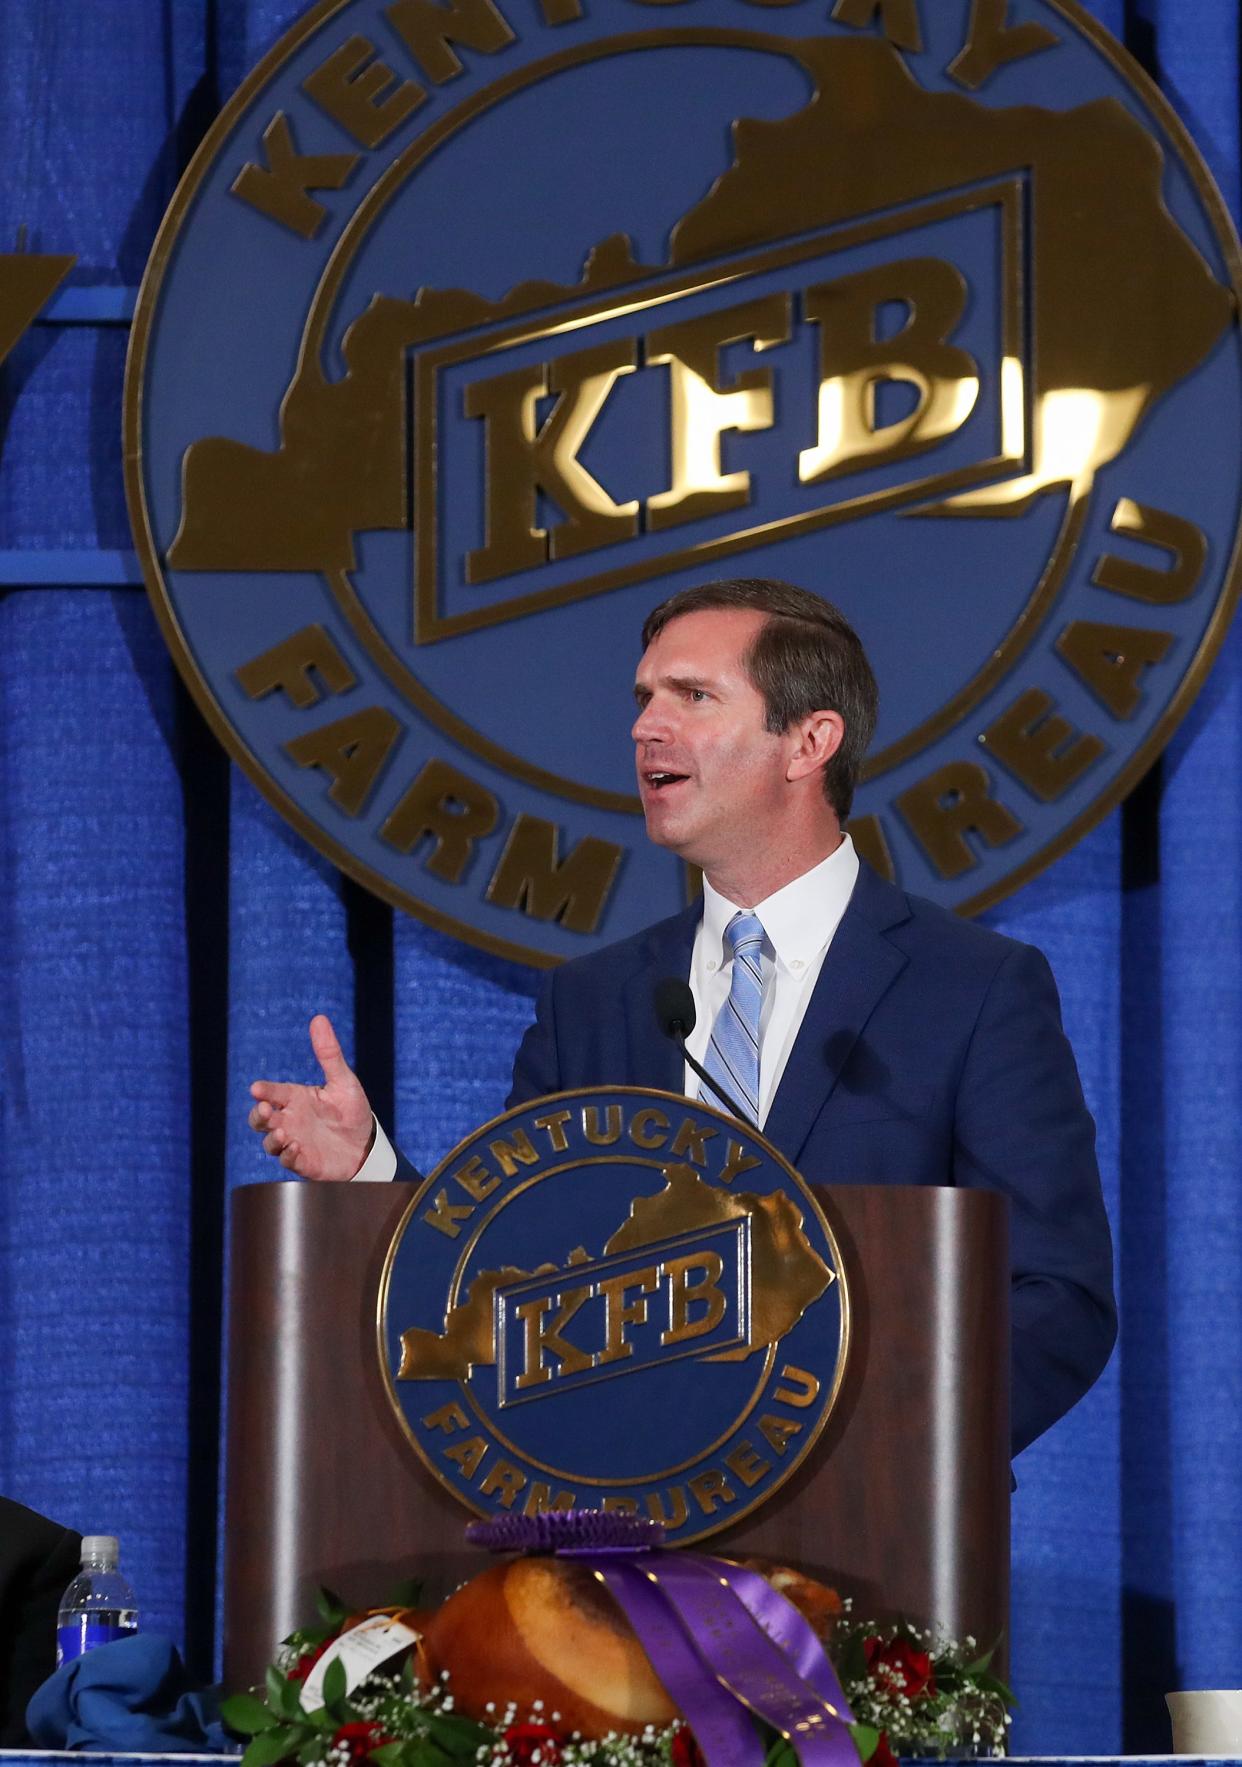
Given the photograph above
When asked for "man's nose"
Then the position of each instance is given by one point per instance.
(650, 724)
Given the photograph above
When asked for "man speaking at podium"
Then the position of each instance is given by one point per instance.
(872, 1037)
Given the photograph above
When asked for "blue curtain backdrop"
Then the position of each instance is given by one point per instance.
(165, 938)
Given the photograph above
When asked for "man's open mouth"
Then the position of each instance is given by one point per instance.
(661, 781)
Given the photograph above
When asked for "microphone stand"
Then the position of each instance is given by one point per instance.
(677, 1031)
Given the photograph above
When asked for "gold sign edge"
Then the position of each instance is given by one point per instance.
(1191, 685)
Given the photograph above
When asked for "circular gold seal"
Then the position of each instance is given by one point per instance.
(614, 1299)
(425, 411)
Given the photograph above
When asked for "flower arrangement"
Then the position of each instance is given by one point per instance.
(909, 1693)
(918, 1693)
(389, 1720)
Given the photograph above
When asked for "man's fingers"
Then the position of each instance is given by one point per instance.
(312, 1130)
(328, 1049)
(277, 1092)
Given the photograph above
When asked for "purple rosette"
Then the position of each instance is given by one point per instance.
(566, 1532)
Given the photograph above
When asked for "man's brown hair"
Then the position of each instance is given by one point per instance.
(806, 658)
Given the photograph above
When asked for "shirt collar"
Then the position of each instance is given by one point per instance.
(800, 919)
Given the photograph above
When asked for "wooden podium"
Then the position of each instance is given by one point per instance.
(903, 1503)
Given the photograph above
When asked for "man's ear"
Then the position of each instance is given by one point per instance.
(819, 736)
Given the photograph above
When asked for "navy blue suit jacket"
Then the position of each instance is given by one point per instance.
(37, 1560)
(931, 1053)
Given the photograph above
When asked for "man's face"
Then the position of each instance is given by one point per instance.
(711, 777)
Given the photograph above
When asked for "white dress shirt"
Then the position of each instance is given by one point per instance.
(798, 926)
(799, 922)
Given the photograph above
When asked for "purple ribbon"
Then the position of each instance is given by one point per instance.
(722, 1641)
(725, 1735)
(755, 1669)
(789, 1629)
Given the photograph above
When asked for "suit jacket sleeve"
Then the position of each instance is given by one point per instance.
(537, 1064)
(1022, 1127)
(38, 1560)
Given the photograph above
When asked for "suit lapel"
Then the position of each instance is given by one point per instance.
(861, 966)
(652, 1058)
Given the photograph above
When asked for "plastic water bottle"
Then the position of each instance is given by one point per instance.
(98, 1605)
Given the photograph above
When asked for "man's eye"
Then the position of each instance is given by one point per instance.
(699, 693)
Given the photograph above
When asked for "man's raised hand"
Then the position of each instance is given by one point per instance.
(316, 1131)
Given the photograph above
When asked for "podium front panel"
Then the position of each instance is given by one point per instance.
(903, 1503)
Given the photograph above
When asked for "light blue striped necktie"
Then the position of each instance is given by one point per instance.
(733, 1053)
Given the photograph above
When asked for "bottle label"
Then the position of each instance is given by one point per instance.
(78, 1636)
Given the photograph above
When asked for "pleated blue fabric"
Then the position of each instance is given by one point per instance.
(165, 938)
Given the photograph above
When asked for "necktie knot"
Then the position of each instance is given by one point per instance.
(745, 934)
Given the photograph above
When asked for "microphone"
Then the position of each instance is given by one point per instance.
(674, 1005)
(675, 1015)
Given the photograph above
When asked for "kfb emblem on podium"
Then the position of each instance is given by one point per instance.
(614, 1299)
(478, 327)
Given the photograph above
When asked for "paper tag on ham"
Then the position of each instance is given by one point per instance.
(363, 1648)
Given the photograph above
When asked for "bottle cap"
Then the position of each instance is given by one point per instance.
(101, 1546)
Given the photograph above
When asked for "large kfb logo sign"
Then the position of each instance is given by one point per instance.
(475, 329)
(617, 1300)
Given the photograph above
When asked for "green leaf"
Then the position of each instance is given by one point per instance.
(951, 1680)
(423, 1751)
(866, 1739)
(331, 1608)
(273, 1745)
(284, 1696)
(850, 1659)
(335, 1683)
(307, 1638)
(407, 1593)
(388, 1754)
(291, 1702)
(781, 1753)
(246, 1714)
(984, 1660)
(459, 1737)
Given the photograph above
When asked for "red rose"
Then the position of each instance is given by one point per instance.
(533, 1745)
(899, 1667)
(686, 1752)
(305, 1663)
(360, 1737)
(883, 1756)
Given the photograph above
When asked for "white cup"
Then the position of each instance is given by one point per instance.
(1206, 1723)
